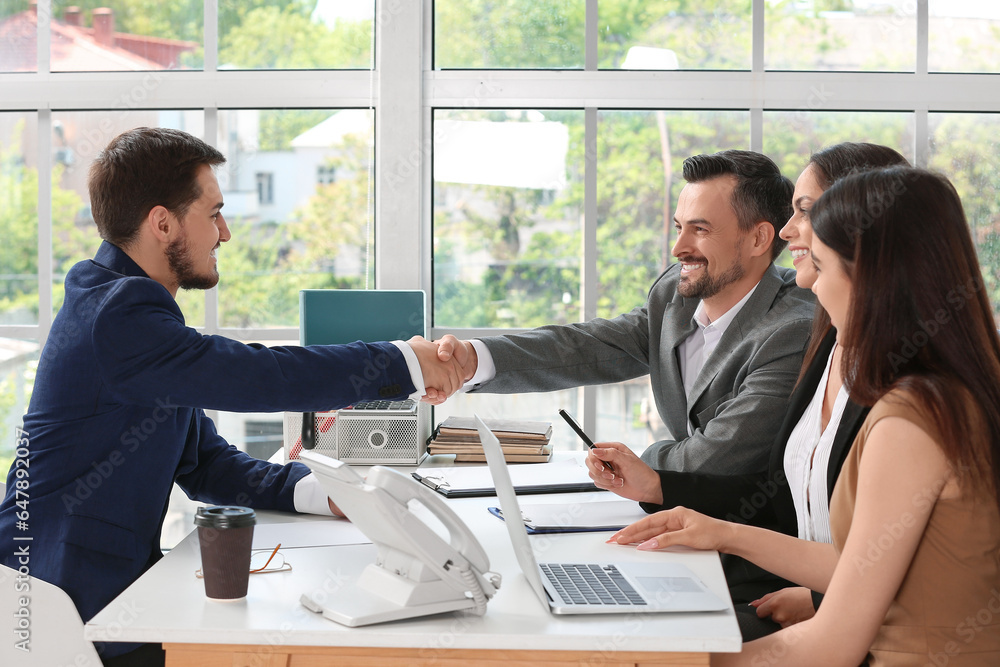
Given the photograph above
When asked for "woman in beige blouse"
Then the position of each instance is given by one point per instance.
(913, 574)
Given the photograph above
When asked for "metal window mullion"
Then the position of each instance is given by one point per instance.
(923, 37)
(45, 264)
(757, 36)
(21, 331)
(426, 259)
(44, 36)
(590, 37)
(921, 135)
(757, 129)
(211, 59)
(212, 295)
(921, 138)
(757, 29)
(282, 334)
(588, 272)
(400, 153)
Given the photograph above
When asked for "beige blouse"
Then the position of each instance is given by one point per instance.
(947, 610)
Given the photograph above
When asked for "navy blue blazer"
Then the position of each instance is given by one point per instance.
(116, 417)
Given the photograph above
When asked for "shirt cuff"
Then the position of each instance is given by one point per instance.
(486, 370)
(310, 498)
(416, 375)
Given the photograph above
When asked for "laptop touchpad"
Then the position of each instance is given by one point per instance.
(669, 584)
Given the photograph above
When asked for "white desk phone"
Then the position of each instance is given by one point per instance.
(416, 572)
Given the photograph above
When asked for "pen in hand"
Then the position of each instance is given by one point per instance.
(583, 436)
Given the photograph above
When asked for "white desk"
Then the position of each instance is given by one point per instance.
(270, 628)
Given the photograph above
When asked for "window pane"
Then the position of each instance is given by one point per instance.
(650, 34)
(627, 413)
(790, 137)
(18, 37)
(18, 361)
(964, 36)
(297, 191)
(509, 34)
(507, 216)
(77, 138)
(964, 147)
(121, 35)
(18, 218)
(854, 35)
(287, 34)
(639, 152)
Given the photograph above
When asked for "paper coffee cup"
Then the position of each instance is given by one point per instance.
(226, 535)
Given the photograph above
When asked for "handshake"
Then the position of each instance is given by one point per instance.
(446, 364)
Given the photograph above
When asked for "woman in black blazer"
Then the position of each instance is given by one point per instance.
(765, 499)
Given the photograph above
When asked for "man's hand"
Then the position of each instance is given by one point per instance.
(787, 606)
(632, 478)
(336, 510)
(443, 378)
(451, 349)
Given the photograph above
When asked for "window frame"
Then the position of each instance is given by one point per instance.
(404, 89)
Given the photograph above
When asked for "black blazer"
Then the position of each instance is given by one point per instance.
(762, 499)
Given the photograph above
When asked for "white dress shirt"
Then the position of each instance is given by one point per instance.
(807, 460)
(699, 346)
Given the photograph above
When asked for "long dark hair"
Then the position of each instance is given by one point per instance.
(830, 165)
(919, 320)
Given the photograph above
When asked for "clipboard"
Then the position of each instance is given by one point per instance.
(566, 476)
(585, 517)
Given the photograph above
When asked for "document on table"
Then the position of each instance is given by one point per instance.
(319, 533)
(577, 517)
(563, 476)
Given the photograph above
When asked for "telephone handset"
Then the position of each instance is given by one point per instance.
(416, 571)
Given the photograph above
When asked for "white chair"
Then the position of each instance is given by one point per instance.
(51, 618)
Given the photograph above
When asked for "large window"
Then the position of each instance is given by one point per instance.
(517, 160)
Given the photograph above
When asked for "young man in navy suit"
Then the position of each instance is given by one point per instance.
(117, 412)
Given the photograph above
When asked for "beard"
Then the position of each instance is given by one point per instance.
(180, 261)
(708, 285)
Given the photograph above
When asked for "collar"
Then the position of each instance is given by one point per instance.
(722, 323)
(115, 259)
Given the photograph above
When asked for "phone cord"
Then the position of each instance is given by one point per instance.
(477, 591)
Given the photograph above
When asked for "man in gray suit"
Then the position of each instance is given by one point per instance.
(722, 332)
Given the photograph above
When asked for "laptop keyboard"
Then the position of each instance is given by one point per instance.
(591, 584)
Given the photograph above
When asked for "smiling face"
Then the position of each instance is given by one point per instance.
(832, 284)
(710, 244)
(191, 256)
(798, 230)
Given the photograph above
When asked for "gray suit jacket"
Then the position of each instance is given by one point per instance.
(738, 401)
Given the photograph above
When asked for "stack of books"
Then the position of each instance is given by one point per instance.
(522, 441)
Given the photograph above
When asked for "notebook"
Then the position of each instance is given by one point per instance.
(594, 588)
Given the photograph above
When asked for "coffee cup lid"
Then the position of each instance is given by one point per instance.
(224, 516)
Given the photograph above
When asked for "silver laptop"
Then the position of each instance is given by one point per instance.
(594, 588)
